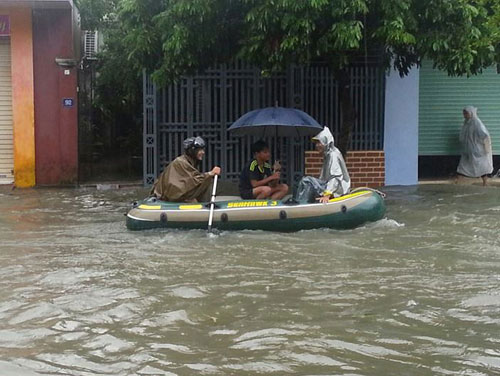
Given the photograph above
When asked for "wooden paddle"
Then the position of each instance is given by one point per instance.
(212, 205)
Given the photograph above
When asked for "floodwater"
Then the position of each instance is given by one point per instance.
(417, 293)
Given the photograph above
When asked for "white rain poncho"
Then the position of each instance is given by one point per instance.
(334, 178)
(477, 157)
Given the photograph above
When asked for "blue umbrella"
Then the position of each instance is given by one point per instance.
(275, 122)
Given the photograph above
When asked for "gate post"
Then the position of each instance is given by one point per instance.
(150, 155)
(223, 118)
(295, 148)
(290, 88)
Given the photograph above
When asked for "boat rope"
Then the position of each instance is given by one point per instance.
(382, 194)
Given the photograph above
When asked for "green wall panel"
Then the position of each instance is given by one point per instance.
(441, 101)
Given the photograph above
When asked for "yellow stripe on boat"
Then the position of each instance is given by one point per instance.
(150, 207)
(190, 207)
(348, 196)
(251, 204)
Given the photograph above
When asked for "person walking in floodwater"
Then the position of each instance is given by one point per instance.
(477, 158)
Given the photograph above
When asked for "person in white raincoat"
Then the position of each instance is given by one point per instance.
(477, 157)
(334, 180)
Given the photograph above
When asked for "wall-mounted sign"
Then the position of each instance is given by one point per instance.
(68, 102)
(4, 25)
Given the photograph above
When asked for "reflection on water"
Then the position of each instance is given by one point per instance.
(416, 293)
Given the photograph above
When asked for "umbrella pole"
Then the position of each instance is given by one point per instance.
(277, 152)
(277, 144)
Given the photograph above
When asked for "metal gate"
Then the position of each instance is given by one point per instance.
(207, 104)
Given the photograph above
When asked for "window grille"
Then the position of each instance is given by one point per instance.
(90, 44)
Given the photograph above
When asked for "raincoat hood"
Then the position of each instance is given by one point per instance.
(326, 139)
(471, 110)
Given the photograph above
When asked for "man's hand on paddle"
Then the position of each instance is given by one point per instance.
(215, 171)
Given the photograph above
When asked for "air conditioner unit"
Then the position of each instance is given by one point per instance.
(90, 44)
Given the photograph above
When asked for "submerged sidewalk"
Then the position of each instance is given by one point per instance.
(230, 188)
(492, 182)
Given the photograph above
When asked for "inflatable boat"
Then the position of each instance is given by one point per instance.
(233, 213)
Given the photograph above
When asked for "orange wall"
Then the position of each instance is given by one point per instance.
(23, 108)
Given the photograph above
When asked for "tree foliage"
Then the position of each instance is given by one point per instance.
(175, 37)
(460, 36)
(97, 14)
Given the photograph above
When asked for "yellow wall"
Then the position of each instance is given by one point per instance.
(23, 108)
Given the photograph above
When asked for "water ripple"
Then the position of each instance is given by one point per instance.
(413, 294)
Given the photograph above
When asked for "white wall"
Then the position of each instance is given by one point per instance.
(401, 128)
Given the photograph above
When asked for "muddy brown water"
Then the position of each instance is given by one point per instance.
(417, 293)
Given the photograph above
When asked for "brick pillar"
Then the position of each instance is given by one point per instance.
(366, 168)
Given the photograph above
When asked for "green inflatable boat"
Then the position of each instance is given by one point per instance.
(344, 212)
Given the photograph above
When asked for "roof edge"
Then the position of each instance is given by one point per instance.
(37, 4)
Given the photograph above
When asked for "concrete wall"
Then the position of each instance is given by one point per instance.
(56, 131)
(401, 128)
(45, 133)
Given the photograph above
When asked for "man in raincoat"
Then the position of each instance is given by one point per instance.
(477, 157)
(334, 180)
(182, 181)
